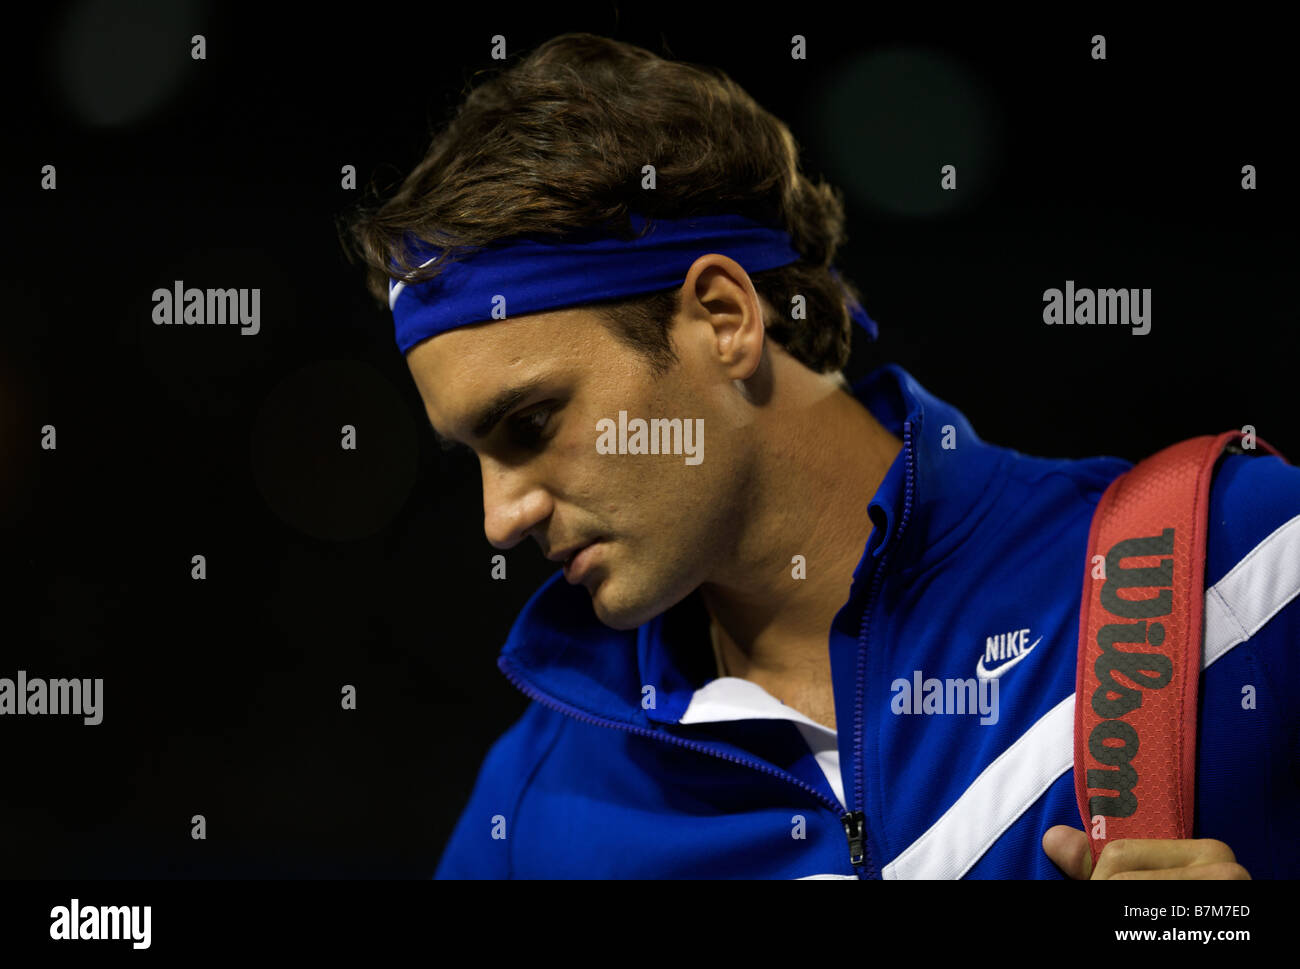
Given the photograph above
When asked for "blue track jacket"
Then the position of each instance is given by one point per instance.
(971, 542)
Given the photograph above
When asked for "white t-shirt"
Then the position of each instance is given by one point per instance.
(733, 698)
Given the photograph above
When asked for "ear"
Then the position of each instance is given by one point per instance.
(720, 306)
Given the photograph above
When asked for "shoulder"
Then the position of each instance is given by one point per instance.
(1252, 568)
(1254, 508)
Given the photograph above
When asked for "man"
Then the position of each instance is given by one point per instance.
(612, 282)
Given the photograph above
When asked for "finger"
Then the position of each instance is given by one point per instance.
(1151, 854)
(1068, 849)
(1221, 871)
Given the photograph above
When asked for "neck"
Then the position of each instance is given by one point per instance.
(823, 457)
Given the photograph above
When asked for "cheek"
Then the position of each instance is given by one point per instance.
(595, 483)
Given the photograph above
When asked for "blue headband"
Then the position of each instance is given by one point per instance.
(531, 276)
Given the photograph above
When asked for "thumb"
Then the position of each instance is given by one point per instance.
(1069, 850)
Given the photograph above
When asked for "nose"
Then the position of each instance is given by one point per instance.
(513, 503)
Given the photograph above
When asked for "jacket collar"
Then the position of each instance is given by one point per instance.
(942, 482)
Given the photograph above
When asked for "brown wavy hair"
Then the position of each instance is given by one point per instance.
(556, 144)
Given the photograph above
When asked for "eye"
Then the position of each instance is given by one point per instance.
(527, 430)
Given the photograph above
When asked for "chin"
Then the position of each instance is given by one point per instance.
(623, 612)
(621, 616)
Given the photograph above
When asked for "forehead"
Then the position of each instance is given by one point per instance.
(461, 369)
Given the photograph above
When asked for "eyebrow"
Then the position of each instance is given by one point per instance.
(492, 413)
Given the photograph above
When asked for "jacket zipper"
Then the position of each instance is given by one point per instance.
(855, 821)
(508, 668)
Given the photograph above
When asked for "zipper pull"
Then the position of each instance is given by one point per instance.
(855, 827)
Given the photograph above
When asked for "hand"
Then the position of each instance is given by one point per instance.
(1141, 857)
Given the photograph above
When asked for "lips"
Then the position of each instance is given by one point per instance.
(576, 567)
(565, 557)
(574, 554)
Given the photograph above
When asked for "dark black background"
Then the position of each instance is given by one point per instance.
(370, 567)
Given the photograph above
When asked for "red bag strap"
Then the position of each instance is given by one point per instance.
(1141, 626)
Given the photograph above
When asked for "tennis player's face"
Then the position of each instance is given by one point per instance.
(660, 526)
